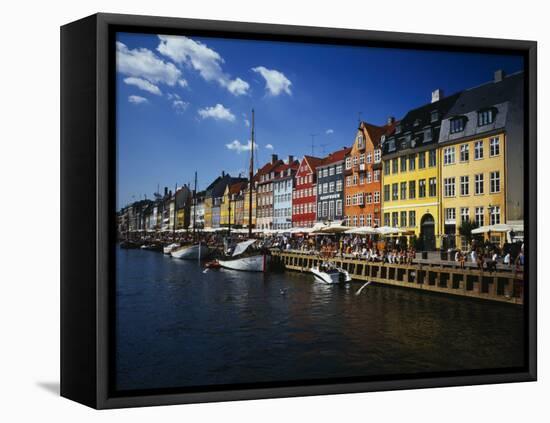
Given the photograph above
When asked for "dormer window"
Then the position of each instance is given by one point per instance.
(398, 129)
(457, 124)
(486, 117)
(360, 142)
(427, 134)
(416, 122)
(434, 117)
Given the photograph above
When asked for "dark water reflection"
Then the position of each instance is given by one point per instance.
(179, 327)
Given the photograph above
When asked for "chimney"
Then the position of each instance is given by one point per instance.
(274, 158)
(165, 191)
(437, 95)
(290, 159)
(223, 174)
(499, 75)
(391, 119)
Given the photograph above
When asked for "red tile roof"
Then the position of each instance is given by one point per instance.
(336, 156)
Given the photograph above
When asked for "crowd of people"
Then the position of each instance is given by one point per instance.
(487, 256)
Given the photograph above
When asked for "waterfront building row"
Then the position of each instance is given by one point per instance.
(455, 159)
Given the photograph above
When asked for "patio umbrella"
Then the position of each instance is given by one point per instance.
(362, 230)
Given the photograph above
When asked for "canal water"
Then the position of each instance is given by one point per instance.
(179, 326)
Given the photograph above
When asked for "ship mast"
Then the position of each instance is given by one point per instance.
(251, 176)
(195, 205)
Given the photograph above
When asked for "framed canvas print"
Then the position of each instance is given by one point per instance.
(256, 211)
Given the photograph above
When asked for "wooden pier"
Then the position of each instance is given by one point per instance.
(500, 285)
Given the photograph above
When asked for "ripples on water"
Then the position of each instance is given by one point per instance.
(178, 326)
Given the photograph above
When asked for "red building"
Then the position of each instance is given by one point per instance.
(304, 195)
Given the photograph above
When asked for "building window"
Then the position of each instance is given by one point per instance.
(478, 150)
(449, 155)
(464, 153)
(450, 215)
(479, 216)
(457, 125)
(360, 142)
(331, 209)
(485, 117)
(348, 162)
(394, 219)
(386, 219)
(361, 220)
(369, 219)
(479, 183)
(354, 220)
(412, 218)
(412, 161)
(494, 144)
(403, 190)
(386, 167)
(348, 200)
(369, 177)
(434, 116)
(355, 159)
(339, 185)
(325, 172)
(412, 189)
(331, 171)
(377, 196)
(421, 188)
(403, 218)
(377, 175)
(339, 169)
(432, 158)
(325, 208)
(377, 155)
(464, 185)
(348, 181)
(320, 189)
(325, 188)
(422, 160)
(394, 166)
(386, 193)
(369, 157)
(395, 192)
(464, 214)
(403, 164)
(449, 187)
(338, 207)
(433, 187)
(495, 215)
(362, 158)
(494, 182)
(355, 179)
(331, 187)
(369, 198)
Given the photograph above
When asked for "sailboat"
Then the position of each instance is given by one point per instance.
(195, 251)
(245, 257)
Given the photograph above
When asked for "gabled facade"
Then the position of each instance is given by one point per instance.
(363, 175)
(330, 186)
(264, 193)
(481, 158)
(410, 176)
(283, 185)
(304, 195)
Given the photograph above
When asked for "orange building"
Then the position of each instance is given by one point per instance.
(363, 176)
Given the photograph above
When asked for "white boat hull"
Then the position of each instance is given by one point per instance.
(341, 276)
(191, 252)
(257, 263)
(169, 248)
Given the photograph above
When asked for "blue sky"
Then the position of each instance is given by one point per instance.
(183, 103)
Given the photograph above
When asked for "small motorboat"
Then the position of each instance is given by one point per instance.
(167, 249)
(331, 274)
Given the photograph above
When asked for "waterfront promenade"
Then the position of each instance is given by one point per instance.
(503, 285)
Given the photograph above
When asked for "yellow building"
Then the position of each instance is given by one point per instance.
(246, 206)
(473, 185)
(208, 202)
(410, 176)
(231, 207)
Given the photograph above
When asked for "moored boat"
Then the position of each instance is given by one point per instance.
(245, 260)
(167, 249)
(330, 274)
(191, 252)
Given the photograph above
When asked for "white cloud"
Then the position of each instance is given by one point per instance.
(136, 99)
(143, 84)
(218, 112)
(202, 59)
(180, 105)
(275, 82)
(269, 146)
(238, 147)
(329, 131)
(143, 63)
(183, 83)
(246, 121)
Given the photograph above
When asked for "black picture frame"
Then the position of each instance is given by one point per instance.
(88, 180)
